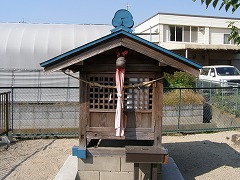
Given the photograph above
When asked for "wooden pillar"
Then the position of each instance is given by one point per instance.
(84, 111)
(157, 108)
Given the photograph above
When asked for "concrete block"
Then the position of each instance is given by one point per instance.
(26, 115)
(126, 167)
(116, 175)
(55, 115)
(99, 164)
(88, 175)
(41, 115)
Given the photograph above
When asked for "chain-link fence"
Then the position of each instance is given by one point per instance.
(50, 111)
(54, 111)
(201, 109)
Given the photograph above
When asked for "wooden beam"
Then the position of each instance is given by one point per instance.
(85, 55)
(129, 68)
(162, 58)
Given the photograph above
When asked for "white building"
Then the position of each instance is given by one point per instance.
(200, 38)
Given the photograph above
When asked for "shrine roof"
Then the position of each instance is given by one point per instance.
(115, 39)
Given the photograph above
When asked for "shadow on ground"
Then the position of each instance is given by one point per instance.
(197, 158)
(9, 161)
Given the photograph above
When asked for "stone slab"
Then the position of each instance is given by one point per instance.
(69, 169)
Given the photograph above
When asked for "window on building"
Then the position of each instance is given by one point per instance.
(194, 34)
(172, 33)
(186, 33)
(226, 41)
(183, 34)
(179, 32)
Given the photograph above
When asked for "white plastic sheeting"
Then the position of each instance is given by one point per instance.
(25, 46)
(36, 78)
(36, 86)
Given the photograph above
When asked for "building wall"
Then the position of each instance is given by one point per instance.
(208, 49)
(216, 35)
(187, 20)
(212, 33)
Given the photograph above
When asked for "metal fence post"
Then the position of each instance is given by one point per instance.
(12, 102)
(210, 94)
(236, 108)
(7, 112)
(222, 97)
(179, 107)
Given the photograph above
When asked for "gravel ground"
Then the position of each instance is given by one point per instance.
(34, 159)
(198, 156)
(205, 156)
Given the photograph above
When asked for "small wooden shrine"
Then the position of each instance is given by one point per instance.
(121, 92)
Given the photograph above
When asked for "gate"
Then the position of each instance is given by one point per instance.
(4, 112)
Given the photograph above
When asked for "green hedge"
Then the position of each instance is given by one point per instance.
(179, 80)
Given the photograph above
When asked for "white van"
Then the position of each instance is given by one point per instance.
(220, 75)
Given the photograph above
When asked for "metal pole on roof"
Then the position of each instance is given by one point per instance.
(150, 33)
(186, 53)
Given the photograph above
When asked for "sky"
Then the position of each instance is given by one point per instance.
(98, 11)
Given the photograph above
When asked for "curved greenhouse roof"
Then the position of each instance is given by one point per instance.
(24, 46)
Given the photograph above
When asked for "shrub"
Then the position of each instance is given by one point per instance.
(179, 80)
(171, 98)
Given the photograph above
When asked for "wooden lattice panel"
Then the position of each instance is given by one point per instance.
(139, 98)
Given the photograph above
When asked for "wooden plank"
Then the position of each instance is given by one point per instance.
(145, 154)
(154, 171)
(106, 151)
(145, 150)
(112, 67)
(146, 158)
(136, 171)
(112, 129)
(133, 119)
(138, 119)
(133, 135)
(102, 119)
(85, 55)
